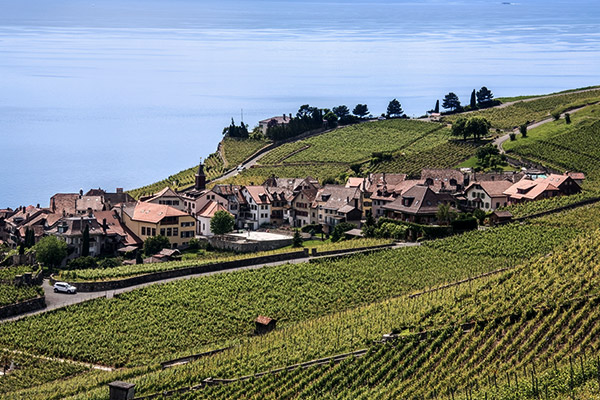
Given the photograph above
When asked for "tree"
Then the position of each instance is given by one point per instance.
(235, 131)
(138, 257)
(473, 102)
(394, 109)
(297, 240)
(370, 225)
(477, 127)
(50, 251)
(339, 230)
(437, 107)
(341, 111)
(480, 215)
(445, 214)
(484, 96)
(458, 128)
(451, 102)
(361, 110)
(154, 244)
(331, 119)
(221, 223)
(523, 129)
(85, 242)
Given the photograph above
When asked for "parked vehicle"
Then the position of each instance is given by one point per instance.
(64, 287)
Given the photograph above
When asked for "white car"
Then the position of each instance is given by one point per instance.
(64, 287)
(240, 168)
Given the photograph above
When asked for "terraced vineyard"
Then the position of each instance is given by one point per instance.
(445, 155)
(533, 110)
(508, 337)
(236, 151)
(348, 292)
(101, 274)
(30, 371)
(10, 294)
(357, 142)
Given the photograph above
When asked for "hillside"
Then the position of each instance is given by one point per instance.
(502, 313)
(332, 307)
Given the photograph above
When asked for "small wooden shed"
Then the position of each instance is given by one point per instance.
(500, 217)
(264, 325)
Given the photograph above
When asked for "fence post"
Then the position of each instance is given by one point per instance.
(121, 390)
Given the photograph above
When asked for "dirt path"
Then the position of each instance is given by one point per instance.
(61, 360)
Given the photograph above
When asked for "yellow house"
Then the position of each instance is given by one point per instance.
(149, 219)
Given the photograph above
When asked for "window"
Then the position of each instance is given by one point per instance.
(153, 231)
(143, 230)
(175, 231)
(175, 202)
(497, 205)
(193, 205)
(487, 205)
(169, 232)
(162, 231)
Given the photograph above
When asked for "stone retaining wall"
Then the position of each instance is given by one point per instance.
(23, 307)
(101, 286)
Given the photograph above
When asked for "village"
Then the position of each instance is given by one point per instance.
(116, 224)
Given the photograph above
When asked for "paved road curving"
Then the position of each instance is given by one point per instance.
(60, 300)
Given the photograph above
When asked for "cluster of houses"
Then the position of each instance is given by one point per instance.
(118, 223)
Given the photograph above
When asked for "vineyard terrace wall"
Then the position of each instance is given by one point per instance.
(101, 286)
(23, 307)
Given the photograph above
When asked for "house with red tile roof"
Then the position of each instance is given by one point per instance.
(541, 188)
(166, 196)
(197, 196)
(334, 204)
(257, 209)
(205, 215)
(278, 120)
(149, 219)
(487, 195)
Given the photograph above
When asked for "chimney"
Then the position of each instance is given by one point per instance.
(284, 117)
(119, 190)
(80, 193)
(290, 115)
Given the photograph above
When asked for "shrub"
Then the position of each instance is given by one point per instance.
(82, 263)
(568, 118)
(556, 115)
(339, 230)
(194, 244)
(523, 130)
(154, 244)
(315, 228)
(109, 263)
(513, 137)
(297, 241)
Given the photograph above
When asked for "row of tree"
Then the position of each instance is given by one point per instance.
(308, 118)
(482, 98)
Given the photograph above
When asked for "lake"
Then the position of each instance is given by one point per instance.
(124, 93)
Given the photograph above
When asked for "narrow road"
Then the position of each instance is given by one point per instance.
(60, 300)
(498, 142)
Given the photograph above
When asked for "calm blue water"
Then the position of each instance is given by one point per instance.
(121, 93)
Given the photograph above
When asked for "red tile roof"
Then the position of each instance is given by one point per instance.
(154, 213)
(258, 194)
(210, 208)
